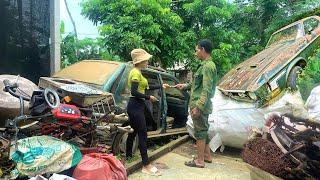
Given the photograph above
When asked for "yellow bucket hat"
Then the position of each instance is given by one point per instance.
(139, 55)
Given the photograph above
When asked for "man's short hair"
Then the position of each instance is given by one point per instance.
(206, 44)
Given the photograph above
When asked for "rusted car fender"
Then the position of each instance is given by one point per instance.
(299, 61)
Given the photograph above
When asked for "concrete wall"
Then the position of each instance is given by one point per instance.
(54, 36)
(28, 38)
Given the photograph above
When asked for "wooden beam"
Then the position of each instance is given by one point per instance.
(168, 132)
(132, 167)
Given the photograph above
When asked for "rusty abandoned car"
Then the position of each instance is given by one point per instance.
(265, 75)
(168, 117)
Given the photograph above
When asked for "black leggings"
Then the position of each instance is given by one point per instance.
(136, 111)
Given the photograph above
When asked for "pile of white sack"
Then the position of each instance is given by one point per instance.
(233, 122)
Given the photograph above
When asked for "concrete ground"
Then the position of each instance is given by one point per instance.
(225, 166)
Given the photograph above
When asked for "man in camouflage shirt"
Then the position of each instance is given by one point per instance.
(202, 90)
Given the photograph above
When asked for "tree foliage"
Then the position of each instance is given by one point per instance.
(148, 24)
(170, 29)
(213, 20)
(310, 77)
(73, 50)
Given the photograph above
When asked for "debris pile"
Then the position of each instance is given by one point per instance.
(267, 156)
(290, 150)
(56, 130)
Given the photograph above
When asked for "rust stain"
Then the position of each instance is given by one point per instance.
(257, 70)
(247, 74)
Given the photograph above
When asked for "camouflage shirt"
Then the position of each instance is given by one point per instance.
(203, 86)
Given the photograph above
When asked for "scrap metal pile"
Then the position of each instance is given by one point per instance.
(290, 150)
(72, 114)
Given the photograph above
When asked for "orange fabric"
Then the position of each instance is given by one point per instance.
(100, 166)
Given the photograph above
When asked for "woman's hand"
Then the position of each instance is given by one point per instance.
(165, 86)
(153, 99)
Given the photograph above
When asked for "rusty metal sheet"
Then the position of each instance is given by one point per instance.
(89, 71)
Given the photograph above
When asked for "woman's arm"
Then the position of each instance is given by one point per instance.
(134, 91)
(158, 86)
(155, 86)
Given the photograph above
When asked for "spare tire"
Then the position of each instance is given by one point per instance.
(9, 105)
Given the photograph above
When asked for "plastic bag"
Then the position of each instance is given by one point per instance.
(44, 154)
(99, 166)
(53, 177)
(313, 104)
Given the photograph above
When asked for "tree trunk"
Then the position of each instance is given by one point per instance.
(71, 18)
(74, 27)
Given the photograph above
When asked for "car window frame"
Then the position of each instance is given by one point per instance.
(309, 19)
(298, 24)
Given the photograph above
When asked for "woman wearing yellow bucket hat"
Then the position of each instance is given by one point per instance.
(136, 107)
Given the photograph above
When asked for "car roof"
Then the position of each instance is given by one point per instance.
(99, 75)
(89, 71)
(296, 22)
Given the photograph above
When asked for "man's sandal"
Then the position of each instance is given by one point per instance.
(153, 171)
(207, 161)
(192, 163)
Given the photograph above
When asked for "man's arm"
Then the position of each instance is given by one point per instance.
(207, 86)
(186, 86)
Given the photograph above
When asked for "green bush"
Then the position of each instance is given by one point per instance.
(310, 76)
(74, 50)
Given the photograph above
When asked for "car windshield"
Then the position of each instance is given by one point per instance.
(93, 72)
(286, 35)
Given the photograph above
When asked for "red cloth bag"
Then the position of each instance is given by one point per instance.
(100, 166)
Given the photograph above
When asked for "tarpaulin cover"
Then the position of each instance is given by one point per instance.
(99, 166)
(44, 154)
(313, 104)
(233, 122)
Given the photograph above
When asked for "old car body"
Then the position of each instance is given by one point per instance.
(168, 115)
(264, 76)
(111, 77)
